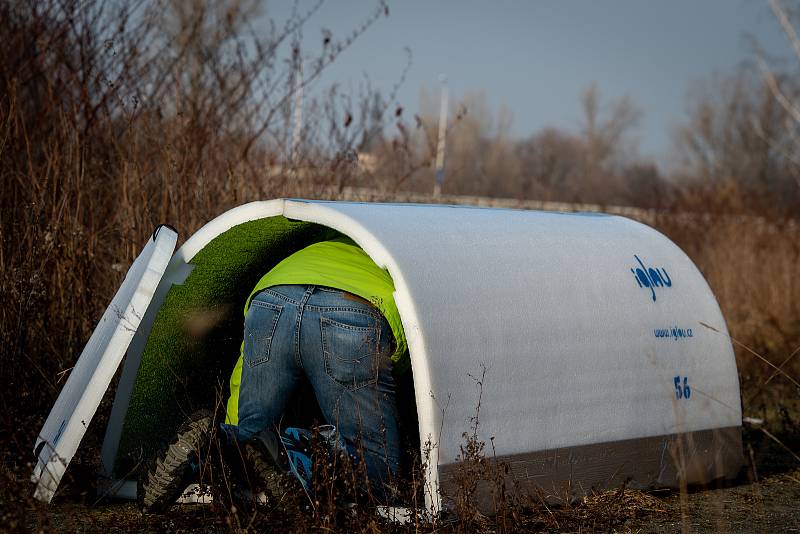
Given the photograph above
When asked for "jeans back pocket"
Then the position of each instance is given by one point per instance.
(351, 349)
(259, 328)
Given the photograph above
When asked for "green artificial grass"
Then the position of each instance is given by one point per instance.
(195, 339)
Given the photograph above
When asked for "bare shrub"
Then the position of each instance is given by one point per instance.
(117, 116)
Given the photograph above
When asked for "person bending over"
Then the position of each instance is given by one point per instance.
(325, 314)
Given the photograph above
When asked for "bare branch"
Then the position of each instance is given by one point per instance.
(787, 26)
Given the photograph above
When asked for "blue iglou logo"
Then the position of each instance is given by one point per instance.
(650, 278)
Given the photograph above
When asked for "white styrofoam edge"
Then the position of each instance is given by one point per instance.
(251, 211)
(48, 473)
(176, 273)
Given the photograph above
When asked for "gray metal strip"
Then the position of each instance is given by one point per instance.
(667, 461)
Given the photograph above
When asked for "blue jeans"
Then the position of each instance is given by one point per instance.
(342, 345)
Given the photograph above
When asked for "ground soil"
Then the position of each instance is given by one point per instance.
(764, 498)
(771, 505)
(756, 502)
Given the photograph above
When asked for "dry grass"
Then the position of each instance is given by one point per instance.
(751, 263)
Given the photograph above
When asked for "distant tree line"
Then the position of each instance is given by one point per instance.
(736, 149)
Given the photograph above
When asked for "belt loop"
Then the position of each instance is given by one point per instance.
(306, 296)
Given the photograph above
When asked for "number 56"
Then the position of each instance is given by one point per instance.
(682, 392)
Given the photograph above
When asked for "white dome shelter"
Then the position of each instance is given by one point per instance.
(598, 369)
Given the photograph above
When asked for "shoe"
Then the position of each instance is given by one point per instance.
(176, 465)
(270, 470)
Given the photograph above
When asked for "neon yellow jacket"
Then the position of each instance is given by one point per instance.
(340, 264)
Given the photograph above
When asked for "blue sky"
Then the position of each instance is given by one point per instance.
(536, 57)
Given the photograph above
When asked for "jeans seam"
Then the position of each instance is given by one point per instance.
(362, 311)
(279, 295)
(315, 307)
(300, 309)
(349, 326)
(270, 305)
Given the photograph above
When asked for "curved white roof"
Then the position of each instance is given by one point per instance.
(583, 322)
